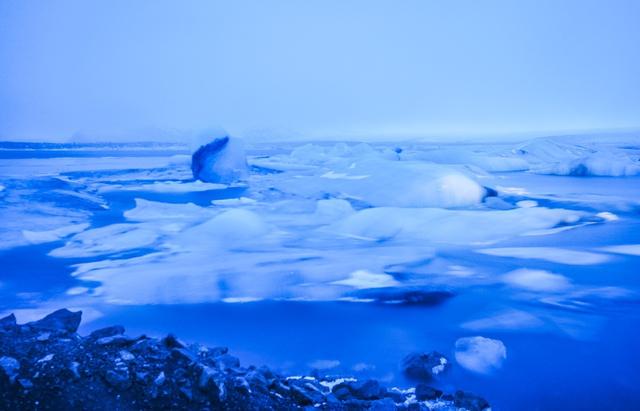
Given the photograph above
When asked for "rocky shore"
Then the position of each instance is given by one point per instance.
(46, 365)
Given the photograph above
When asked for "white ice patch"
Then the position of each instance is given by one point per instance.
(106, 240)
(607, 216)
(558, 156)
(479, 354)
(555, 255)
(342, 176)
(172, 187)
(77, 290)
(435, 370)
(508, 320)
(332, 383)
(240, 300)
(38, 237)
(332, 210)
(527, 204)
(536, 280)
(447, 226)
(460, 271)
(389, 183)
(363, 279)
(231, 202)
(151, 211)
(628, 249)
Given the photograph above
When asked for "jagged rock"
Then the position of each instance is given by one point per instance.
(67, 371)
(182, 354)
(160, 379)
(469, 401)
(116, 340)
(425, 392)
(107, 332)
(306, 396)
(170, 341)
(118, 378)
(424, 366)
(61, 320)
(8, 322)
(25, 384)
(9, 367)
(226, 361)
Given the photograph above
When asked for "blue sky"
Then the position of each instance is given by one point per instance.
(315, 69)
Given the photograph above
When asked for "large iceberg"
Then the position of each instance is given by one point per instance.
(221, 161)
(568, 158)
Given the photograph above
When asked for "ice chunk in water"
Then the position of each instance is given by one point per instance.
(480, 354)
(221, 161)
(536, 280)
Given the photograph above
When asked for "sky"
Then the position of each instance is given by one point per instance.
(316, 69)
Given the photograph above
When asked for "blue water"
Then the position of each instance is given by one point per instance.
(584, 357)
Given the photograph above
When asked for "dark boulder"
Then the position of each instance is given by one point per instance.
(9, 366)
(425, 393)
(424, 366)
(8, 322)
(470, 401)
(107, 332)
(62, 320)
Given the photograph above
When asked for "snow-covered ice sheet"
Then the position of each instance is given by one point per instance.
(314, 222)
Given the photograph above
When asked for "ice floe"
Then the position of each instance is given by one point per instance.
(506, 320)
(553, 254)
(364, 279)
(536, 280)
(629, 249)
(107, 240)
(37, 237)
(480, 354)
(448, 226)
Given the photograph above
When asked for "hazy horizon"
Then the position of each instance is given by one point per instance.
(317, 70)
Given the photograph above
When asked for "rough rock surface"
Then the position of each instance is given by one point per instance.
(424, 366)
(46, 365)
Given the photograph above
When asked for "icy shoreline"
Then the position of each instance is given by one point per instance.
(45, 364)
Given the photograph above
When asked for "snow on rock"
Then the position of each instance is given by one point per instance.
(479, 354)
(221, 161)
(536, 280)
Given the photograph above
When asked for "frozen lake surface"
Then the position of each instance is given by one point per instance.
(347, 257)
